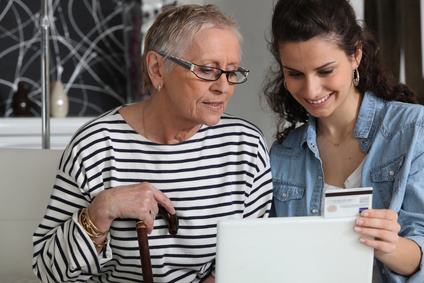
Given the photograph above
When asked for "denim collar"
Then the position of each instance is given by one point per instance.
(370, 107)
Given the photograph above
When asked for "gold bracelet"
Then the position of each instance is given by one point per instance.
(97, 233)
(100, 245)
(88, 226)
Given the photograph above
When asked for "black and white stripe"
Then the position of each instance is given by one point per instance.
(221, 172)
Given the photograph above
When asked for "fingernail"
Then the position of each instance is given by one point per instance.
(357, 229)
(359, 221)
(362, 240)
(365, 214)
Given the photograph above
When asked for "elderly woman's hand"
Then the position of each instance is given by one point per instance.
(133, 201)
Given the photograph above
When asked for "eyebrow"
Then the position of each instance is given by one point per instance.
(316, 69)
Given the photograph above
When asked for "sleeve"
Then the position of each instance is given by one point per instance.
(411, 207)
(259, 200)
(63, 252)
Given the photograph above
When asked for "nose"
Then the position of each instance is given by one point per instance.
(312, 87)
(222, 85)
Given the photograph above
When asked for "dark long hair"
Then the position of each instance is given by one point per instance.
(301, 20)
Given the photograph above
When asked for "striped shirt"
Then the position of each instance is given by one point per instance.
(221, 172)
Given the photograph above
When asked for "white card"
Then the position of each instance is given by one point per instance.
(347, 202)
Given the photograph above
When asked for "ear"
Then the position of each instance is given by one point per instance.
(358, 54)
(155, 68)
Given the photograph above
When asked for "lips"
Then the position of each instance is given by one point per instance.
(319, 101)
(212, 103)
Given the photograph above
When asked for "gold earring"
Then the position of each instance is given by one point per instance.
(355, 78)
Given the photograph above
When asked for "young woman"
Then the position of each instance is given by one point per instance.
(345, 124)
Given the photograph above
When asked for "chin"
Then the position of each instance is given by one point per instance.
(321, 114)
(212, 121)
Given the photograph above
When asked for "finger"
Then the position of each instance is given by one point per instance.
(379, 234)
(147, 219)
(379, 246)
(141, 224)
(164, 201)
(378, 223)
(380, 213)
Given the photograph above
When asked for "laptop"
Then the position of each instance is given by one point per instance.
(291, 249)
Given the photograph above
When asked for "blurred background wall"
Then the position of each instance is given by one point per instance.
(96, 47)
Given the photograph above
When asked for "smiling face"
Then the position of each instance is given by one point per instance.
(194, 101)
(319, 76)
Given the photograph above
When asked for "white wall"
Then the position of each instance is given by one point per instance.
(254, 18)
(358, 5)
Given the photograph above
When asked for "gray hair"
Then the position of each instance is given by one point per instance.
(175, 28)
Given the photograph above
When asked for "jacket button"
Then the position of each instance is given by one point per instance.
(284, 195)
(392, 173)
(315, 210)
(384, 271)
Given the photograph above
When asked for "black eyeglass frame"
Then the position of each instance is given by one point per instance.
(190, 66)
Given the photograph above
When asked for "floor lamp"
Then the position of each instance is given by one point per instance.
(45, 77)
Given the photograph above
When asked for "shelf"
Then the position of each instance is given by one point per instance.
(27, 132)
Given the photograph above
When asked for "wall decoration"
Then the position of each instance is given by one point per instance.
(89, 52)
(95, 51)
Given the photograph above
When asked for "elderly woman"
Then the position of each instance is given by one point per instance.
(177, 149)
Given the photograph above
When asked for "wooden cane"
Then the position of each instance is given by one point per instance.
(143, 246)
(143, 241)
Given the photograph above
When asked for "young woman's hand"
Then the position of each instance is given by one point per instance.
(379, 229)
(382, 225)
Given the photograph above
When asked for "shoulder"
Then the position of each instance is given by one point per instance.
(387, 117)
(98, 130)
(287, 157)
(292, 144)
(399, 116)
(235, 126)
(394, 110)
(405, 110)
(109, 120)
(237, 123)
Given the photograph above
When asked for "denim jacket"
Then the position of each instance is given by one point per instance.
(392, 136)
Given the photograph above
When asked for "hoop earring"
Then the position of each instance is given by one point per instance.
(159, 88)
(355, 78)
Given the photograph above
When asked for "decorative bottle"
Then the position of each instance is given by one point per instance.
(20, 101)
(59, 104)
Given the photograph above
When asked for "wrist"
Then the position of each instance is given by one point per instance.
(90, 228)
(99, 212)
(98, 237)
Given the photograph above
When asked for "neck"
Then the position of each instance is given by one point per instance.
(159, 127)
(337, 127)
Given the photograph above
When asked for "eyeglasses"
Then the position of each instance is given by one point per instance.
(212, 74)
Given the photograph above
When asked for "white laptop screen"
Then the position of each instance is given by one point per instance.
(291, 249)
